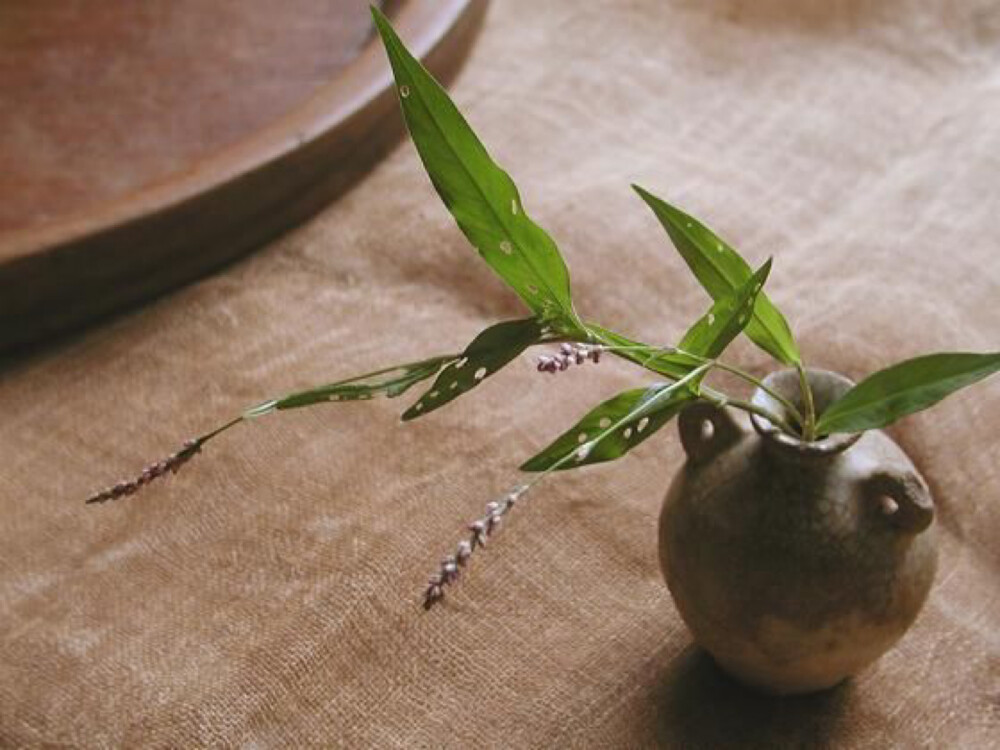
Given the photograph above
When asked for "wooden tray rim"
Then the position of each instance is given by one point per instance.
(422, 25)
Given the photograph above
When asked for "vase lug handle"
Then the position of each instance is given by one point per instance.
(707, 430)
(905, 501)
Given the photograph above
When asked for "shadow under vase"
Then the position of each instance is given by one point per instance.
(700, 706)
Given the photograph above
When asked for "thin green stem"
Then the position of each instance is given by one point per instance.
(721, 399)
(809, 426)
(219, 430)
(793, 410)
(719, 364)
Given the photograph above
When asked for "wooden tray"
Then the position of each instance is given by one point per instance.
(149, 143)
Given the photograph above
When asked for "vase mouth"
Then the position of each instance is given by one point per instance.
(826, 386)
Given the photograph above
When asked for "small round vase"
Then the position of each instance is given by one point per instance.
(794, 564)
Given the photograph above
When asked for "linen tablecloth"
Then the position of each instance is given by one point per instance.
(269, 595)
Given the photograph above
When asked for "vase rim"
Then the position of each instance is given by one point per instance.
(827, 386)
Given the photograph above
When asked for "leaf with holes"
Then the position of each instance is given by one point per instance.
(726, 319)
(488, 353)
(480, 195)
(720, 269)
(613, 428)
(905, 388)
(391, 382)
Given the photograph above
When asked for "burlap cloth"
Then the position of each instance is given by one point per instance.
(269, 595)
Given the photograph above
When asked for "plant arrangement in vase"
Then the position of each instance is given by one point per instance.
(797, 540)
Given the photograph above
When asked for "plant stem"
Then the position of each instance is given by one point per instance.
(743, 374)
(793, 410)
(720, 400)
(719, 364)
(809, 426)
(219, 430)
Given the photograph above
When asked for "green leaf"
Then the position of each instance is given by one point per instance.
(708, 337)
(390, 383)
(479, 194)
(726, 319)
(644, 355)
(905, 388)
(642, 417)
(488, 353)
(720, 269)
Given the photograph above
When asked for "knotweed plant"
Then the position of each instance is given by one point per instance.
(488, 209)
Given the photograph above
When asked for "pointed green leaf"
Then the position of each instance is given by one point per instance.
(720, 269)
(644, 355)
(726, 319)
(390, 383)
(488, 353)
(642, 417)
(480, 195)
(905, 388)
(708, 337)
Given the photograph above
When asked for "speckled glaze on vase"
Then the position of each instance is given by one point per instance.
(794, 564)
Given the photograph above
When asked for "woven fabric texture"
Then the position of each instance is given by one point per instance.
(269, 595)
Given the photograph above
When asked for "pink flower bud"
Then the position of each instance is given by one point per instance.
(478, 529)
(433, 595)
